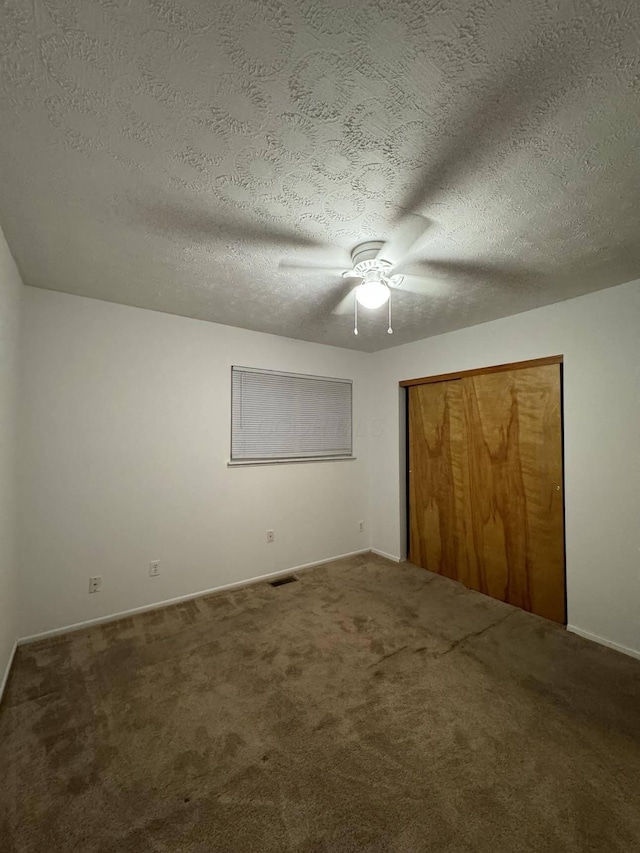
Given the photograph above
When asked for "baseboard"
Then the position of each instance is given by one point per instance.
(5, 677)
(386, 556)
(608, 643)
(122, 614)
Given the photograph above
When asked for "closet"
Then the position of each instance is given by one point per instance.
(485, 488)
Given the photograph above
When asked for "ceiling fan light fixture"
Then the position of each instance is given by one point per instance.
(372, 294)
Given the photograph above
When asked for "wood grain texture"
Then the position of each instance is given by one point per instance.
(479, 371)
(485, 488)
(437, 461)
(514, 435)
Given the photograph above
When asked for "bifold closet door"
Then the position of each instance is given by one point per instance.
(485, 485)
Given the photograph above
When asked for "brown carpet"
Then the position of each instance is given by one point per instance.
(367, 707)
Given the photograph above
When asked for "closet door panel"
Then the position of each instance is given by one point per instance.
(437, 470)
(513, 432)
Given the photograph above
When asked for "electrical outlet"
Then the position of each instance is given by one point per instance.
(361, 526)
(270, 536)
(154, 568)
(95, 583)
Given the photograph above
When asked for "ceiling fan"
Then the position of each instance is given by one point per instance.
(378, 269)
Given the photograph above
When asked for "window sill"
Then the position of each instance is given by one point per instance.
(249, 463)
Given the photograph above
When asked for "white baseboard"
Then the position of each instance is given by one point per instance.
(122, 614)
(5, 677)
(609, 643)
(387, 556)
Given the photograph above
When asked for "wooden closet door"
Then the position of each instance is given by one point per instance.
(437, 463)
(485, 484)
(513, 431)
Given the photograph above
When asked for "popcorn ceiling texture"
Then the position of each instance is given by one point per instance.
(168, 154)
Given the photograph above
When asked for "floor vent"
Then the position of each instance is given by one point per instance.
(282, 581)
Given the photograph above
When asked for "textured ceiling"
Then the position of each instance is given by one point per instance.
(169, 153)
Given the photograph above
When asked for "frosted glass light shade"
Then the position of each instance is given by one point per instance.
(372, 294)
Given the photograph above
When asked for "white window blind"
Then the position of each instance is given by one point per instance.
(289, 415)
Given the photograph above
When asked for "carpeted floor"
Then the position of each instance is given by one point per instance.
(367, 707)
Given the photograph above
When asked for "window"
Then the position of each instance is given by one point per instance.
(287, 416)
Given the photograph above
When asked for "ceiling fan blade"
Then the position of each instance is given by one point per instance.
(403, 239)
(471, 272)
(345, 305)
(202, 225)
(438, 276)
(478, 126)
(421, 285)
(298, 266)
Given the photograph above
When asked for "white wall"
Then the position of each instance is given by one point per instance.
(10, 306)
(599, 336)
(126, 430)
(126, 437)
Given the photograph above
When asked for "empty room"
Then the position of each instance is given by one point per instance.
(319, 426)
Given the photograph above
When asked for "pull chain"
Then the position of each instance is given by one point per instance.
(355, 322)
(389, 330)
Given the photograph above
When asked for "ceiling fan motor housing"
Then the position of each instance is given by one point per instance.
(365, 257)
(371, 268)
